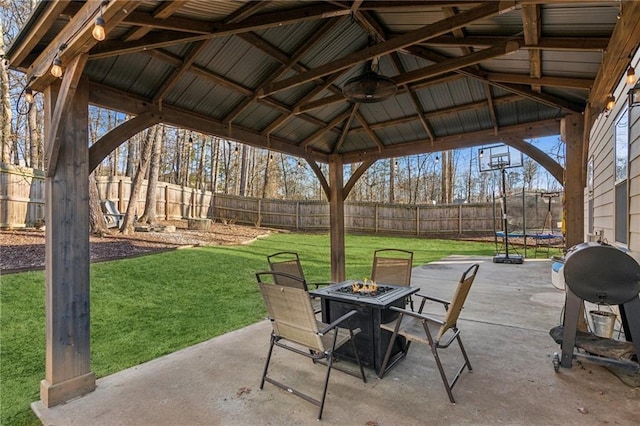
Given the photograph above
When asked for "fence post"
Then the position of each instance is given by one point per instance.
(459, 218)
(297, 215)
(375, 218)
(166, 202)
(121, 195)
(259, 221)
(418, 220)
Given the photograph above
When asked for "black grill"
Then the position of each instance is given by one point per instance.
(600, 273)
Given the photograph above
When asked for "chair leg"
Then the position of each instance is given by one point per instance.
(386, 366)
(266, 364)
(326, 384)
(434, 351)
(355, 351)
(464, 353)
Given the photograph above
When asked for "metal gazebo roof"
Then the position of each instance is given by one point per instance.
(270, 74)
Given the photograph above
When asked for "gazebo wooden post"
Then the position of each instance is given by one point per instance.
(68, 373)
(572, 133)
(336, 218)
(572, 129)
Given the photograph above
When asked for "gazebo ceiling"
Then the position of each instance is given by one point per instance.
(271, 73)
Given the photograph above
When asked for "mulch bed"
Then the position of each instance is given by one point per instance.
(23, 249)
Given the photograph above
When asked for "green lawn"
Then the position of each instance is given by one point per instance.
(145, 307)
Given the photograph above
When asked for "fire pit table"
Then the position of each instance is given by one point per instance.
(372, 304)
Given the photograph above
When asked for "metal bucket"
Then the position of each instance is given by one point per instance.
(603, 323)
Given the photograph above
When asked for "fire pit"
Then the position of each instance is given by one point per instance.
(365, 288)
(372, 301)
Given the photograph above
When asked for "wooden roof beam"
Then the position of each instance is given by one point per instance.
(566, 82)
(302, 50)
(522, 91)
(532, 30)
(123, 101)
(75, 38)
(547, 43)
(453, 64)
(345, 129)
(405, 40)
(163, 11)
(333, 123)
(463, 140)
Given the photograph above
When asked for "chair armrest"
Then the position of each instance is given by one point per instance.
(337, 322)
(417, 315)
(434, 299)
(316, 285)
(446, 303)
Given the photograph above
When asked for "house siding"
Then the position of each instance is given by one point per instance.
(602, 150)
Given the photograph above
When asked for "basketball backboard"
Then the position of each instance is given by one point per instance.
(498, 157)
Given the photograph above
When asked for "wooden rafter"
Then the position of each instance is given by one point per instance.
(75, 38)
(532, 30)
(122, 101)
(370, 132)
(345, 129)
(181, 70)
(333, 123)
(163, 11)
(464, 140)
(181, 30)
(547, 43)
(393, 44)
(285, 67)
(567, 82)
(415, 101)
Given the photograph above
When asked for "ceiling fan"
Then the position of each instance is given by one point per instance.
(369, 87)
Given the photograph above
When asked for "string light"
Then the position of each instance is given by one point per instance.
(28, 95)
(99, 32)
(56, 67)
(631, 76)
(235, 151)
(481, 152)
(299, 164)
(437, 159)
(611, 102)
(98, 29)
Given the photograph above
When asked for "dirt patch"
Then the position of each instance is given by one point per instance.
(23, 249)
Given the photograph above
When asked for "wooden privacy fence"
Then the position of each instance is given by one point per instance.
(22, 196)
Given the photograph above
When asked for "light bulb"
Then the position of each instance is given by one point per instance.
(56, 68)
(611, 102)
(481, 153)
(631, 76)
(437, 159)
(98, 29)
(28, 95)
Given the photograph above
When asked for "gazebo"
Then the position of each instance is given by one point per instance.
(335, 82)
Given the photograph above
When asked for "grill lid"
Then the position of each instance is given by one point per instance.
(600, 273)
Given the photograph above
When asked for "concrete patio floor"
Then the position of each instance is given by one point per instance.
(505, 326)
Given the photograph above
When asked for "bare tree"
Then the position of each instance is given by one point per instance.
(136, 185)
(529, 173)
(149, 214)
(97, 224)
(6, 139)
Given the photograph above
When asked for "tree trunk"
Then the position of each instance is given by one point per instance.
(5, 107)
(129, 217)
(97, 224)
(34, 140)
(149, 216)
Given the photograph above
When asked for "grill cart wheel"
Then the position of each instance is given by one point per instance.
(556, 362)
